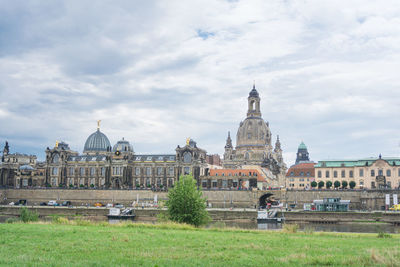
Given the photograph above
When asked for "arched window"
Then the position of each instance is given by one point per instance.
(56, 158)
(187, 157)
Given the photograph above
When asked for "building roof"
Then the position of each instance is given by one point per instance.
(357, 162)
(302, 169)
(157, 158)
(302, 145)
(97, 142)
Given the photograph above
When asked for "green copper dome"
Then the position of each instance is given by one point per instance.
(302, 145)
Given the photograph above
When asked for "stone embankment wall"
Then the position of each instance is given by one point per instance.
(359, 200)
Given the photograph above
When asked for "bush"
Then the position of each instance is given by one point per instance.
(328, 184)
(384, 235)
(60, 185)
(321, 184)
(352, 184)
(71, 185)
(314, 184)
(11, 220)
(28, 216)
(336, 184)
(81, 185)
(92, 185)
(290, 228)
(344, 184)
(59, 220)
(186, 203)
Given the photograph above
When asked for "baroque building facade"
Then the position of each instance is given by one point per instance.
(254, 145)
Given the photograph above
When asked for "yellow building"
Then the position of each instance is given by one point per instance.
(369, 173)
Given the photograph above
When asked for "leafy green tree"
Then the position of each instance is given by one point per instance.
(28, 216)
(314, 184)
(321, 184)
(336, 184)
(186, 203)
(344, 184)
(352, 184)
(328, 184)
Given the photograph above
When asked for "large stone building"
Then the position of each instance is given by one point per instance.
(102, 166)
(369, 173)
(253, 145)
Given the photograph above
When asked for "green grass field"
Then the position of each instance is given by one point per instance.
(86, 244)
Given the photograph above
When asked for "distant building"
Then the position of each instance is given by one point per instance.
(369, 173)
(300, 176)
(253, 144)
(214, 160)
(302, 155)
(242, 179)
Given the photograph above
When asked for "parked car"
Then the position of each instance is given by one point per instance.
(43, 204)
(67, 203)
(52, 203)
(109, 205)
(11, 203)
(118, 205)
(98, 204)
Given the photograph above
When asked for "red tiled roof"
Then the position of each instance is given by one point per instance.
(302, 168)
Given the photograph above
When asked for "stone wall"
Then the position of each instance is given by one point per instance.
(359, 200)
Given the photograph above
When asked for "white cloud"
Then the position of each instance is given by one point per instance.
(158, 72)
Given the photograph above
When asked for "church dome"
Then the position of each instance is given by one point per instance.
(97, 142)
(123, 146)
(302, 146)
(253, 131)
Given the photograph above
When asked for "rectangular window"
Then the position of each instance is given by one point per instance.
(71, 171)
(343, 173)
(351, 174)
(137, 171)
(159, 170)
(388, 173)
(171, 171)
(224, 183)
(327, 174)
(103, 171)
(319, 174)
(361, 173)
(380, 172)
(214, 183)
(335, 174)
(148, 171)
(55, 171)
(92, 171)
(373, 173)
(204, 183)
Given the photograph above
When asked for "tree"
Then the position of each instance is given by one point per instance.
(336, 184)
(344, 184)
(186, 203)
(321, 184)
(314, 184)
(328, 184)
(352, 184)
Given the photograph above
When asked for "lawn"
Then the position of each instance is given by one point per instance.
(86, 244)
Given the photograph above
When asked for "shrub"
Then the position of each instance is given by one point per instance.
(344, 184)
(321, 184)
(60, 185)
(290, 228)
(71, 185)
(92, 185)
(336, 184)
(186, 203)
(11, 220)
(59, 220)
(382, 234)
(328, 184)
(314, 184)
(28, 216)
(352, 184)
(137, 185)
(81, 185)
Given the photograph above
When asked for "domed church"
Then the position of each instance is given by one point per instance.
(253, 143)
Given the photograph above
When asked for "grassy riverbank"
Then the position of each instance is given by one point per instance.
(87, 244)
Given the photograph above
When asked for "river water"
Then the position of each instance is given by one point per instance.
(316, 227)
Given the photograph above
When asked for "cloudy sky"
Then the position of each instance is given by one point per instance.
(157, 72)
